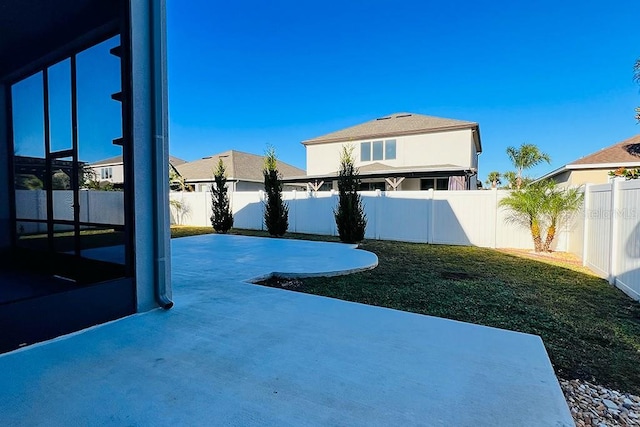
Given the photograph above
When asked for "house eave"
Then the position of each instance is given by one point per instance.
(391, 173)
(604, 165)
(208, 180)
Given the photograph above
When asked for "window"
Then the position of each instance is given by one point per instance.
(442, 183)
(106, 173)
(390, 149)
(365, 152)
(378, 150)
(434, 183)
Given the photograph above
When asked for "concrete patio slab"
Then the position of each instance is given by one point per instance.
(233, 353)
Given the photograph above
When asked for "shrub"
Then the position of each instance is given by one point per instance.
(350, 217)
(276, 212)
(221, 218)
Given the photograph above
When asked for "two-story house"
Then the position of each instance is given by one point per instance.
(401, 151)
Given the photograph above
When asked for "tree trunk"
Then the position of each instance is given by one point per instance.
(551, 234)
(535, 234)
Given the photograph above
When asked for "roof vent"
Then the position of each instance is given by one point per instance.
(384, 118)
(403, 115)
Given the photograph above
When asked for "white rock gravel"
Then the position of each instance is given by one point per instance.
(594, 405)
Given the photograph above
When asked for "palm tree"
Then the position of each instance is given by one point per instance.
(636, 78)
(527, 207)
(558, 207)
(493, 179)
(526, 157)
(510, 179)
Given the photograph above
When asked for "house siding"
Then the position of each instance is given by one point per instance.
(438, 148)
(575, 178)
(117, 171)
(592, 176)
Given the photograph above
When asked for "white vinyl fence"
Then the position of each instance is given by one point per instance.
(98, 207)
(606, 234)
(612, 233)
(442, 217)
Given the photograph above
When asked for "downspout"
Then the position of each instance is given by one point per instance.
(159, 149)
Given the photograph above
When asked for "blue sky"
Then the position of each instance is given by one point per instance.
(99, 117)
(250, 73)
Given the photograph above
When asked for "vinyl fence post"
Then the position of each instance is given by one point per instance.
(495, 218)
(613, 241)
(586, 224)
(378, 210)
(292, 206)
(262, 196)
(432, 217)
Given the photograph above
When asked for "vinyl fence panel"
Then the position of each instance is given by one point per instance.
(626, 241)
(443, 217)
(598, 210)
(312, 213)
(404, 216)
(247, 209)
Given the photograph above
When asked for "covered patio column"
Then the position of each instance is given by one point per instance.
(150, 153)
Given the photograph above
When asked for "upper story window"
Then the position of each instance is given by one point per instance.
(378, 150)
(390, 149)
(106, 173)
(365, 151)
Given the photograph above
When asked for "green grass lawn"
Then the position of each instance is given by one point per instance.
(590, 329)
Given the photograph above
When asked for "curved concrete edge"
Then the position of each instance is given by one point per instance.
(331, 273)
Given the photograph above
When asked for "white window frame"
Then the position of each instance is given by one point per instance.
(106, 173)
(384, 150)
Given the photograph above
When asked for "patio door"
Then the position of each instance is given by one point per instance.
(71, 263)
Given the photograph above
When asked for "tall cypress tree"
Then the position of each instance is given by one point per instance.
(350, 217)
(276, 212)
(221, 218)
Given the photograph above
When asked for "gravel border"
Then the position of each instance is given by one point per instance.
(594, 405)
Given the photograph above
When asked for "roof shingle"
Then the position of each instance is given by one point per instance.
(239, 165)
(627, 151)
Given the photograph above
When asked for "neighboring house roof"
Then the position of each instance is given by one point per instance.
(622, 154)
(118, 159)
(240, 166)
(627, 151)
(396, 124)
